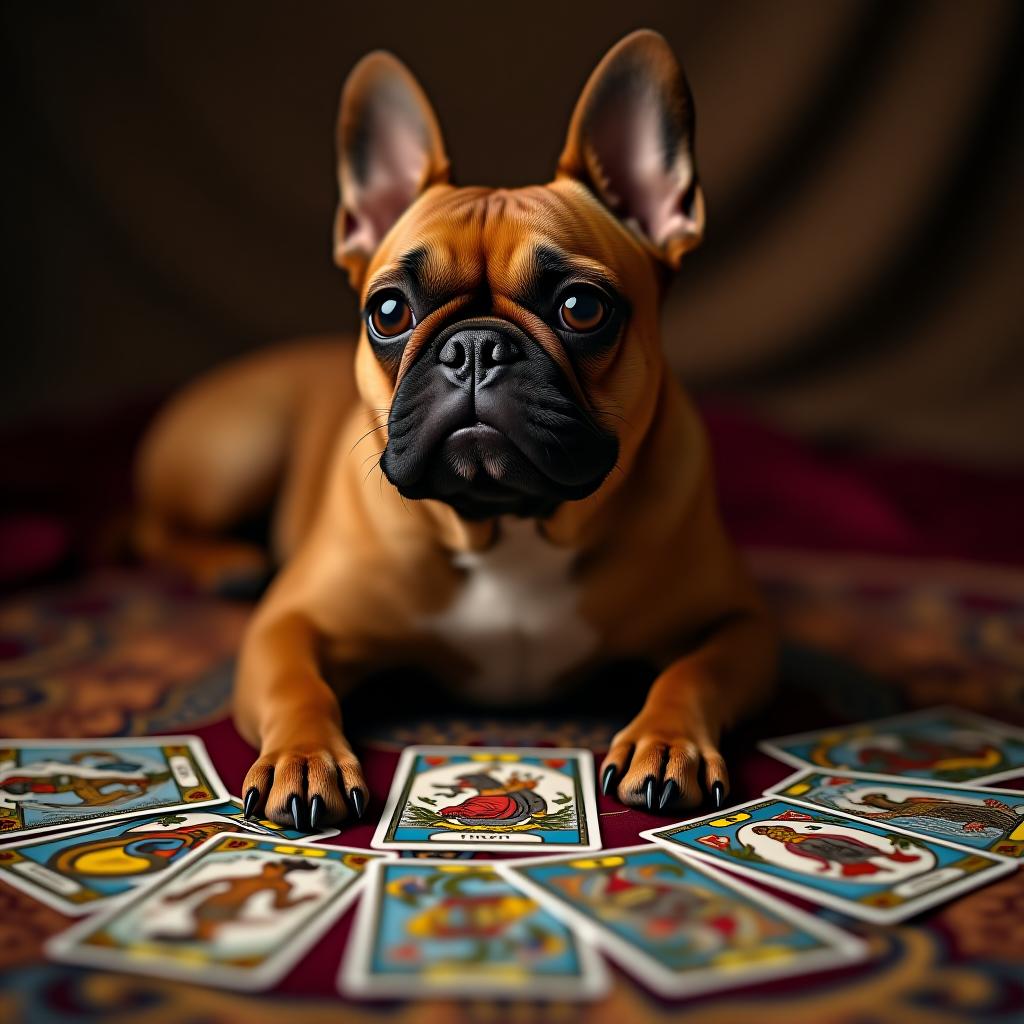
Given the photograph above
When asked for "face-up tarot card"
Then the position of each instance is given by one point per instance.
(980, 817)
(491, 798)
(681, 927)
(239, 912)
(867, 870)
(79, 872)
(57, 784)
(944, 744)
(441, 927)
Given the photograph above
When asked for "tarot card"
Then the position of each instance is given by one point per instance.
(81, 871)
(980, 817)
(239, 912)
(442, 927)
(875, 872)
(677, 925)
(944, 744)
(490, 798)
(56, 784)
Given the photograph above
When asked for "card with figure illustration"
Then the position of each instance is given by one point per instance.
(81, 871)
(679, 926)
(981, 817)
(440, 927)
(876, 872)
(239, 912)
(47, 785)
(945, 744)
(491, 798)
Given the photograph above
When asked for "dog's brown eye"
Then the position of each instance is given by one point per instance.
(583, 310)
(391, 316)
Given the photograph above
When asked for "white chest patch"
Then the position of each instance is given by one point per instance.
(515, 617)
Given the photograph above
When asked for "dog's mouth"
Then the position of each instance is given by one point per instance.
(480, 472)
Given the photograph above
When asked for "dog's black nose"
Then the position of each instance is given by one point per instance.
(474, 355)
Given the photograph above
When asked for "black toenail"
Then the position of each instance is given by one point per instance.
(668, 794)
(649, 792)
(316, 809)
(296, 809)
(356, 796)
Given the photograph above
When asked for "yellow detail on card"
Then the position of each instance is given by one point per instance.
(731, 819)
(597, 862)
(973, 863)
(443, 972)
(356, 861)
(494, 757)
(882, 899)
(1009, 849)
(300, 851)
(235, 843)
(740, 957)
(798, 789)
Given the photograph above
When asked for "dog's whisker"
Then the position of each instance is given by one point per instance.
(372, 455)
(372, 430)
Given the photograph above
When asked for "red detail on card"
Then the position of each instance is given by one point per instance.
(838, 780)
(435, 761)
(406, 951)
(793, 816)
(556, 763)
(715, 842)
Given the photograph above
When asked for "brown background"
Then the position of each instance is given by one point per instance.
(168, 193)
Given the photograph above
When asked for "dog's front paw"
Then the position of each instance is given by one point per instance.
(657, 765)
(306, 785)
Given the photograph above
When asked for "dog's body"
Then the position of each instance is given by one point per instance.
(508, 490)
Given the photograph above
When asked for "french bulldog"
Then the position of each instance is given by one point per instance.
(500, 480)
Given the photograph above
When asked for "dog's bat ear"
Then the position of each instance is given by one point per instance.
(631, 141)
(390, 150)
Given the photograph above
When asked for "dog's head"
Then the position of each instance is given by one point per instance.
(510, 336)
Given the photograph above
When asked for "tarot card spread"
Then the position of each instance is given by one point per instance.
(239, 912)
(79, 872)
(679, 926)
(975, 816)
(945, 744)
(53, 784)
(454, 798)
(429, 927)
(877, 873)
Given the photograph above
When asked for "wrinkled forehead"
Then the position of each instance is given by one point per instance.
(519, 243)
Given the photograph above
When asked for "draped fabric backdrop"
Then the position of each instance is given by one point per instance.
(169, 189)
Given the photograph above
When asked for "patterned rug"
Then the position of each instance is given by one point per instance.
(129, 653)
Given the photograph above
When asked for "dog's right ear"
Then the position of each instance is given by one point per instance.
(390, 150)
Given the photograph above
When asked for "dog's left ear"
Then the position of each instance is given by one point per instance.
(390, 150)
(630, 142)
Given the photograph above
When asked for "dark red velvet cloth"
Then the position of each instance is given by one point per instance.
(67, 486)
(778, 491)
